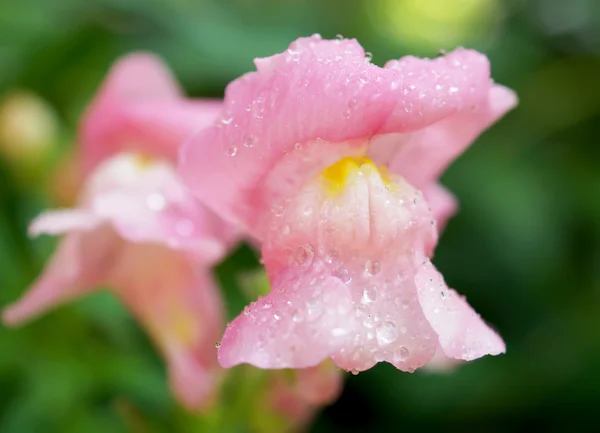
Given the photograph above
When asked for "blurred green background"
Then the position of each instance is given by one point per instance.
(525, 247)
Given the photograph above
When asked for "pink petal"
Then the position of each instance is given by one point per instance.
(301, 322)
(149, 203)
(179, 305)
(422, 156)
(442, 204)
(320, 90)
(298, 394)
(63, 221)
(365, 241)
(140, 75)
(77, 267)
(461, 331)
(320, 385)
(141, 108)
(440, 363)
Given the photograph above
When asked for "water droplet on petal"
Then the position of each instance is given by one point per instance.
(218, 344)
(370, 294)
(339, 37)
(249, 140)
(278, 211)
(401, 354)
(231, 150)
(386, 333)
(373, 267)
(277, 315)
(297, 316)
(343, 274)
(368, 56)
(304, 255)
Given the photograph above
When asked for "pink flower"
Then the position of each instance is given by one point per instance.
(140, 107)
(138, 230)
(296, 395)
(326, 158)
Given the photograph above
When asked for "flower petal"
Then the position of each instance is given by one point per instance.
(461, 331)
(146, 202)
(76, 268)
(62, 221)
(179, 304)
(422, 156)
(442, 204)
(320, 90)
(141, 107)
(302, 321)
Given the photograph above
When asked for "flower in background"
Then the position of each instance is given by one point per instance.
(332, 163)
(137, 229)
(295, 395)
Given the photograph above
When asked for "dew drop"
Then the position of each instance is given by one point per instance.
(278, 211)
(373, 267)
(370, 294)
(386, 333)
(304, 255)
(368, 321)
(402, 354)
(249, 140)
(231, 150)
(218, 344)
(368, 56)
(297, 316)
(277, 315)
(343, 274)
(298, 146)
(339, 37)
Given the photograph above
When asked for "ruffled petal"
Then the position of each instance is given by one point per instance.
(422, 156)
(301, 322)
(322, 90)
(179, 305)
(461, 331)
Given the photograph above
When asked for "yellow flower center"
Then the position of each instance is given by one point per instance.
(143, 161)
(337, 176)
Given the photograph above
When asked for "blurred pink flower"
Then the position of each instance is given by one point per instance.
(325, 158)
(137, 229)
(296, 395)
